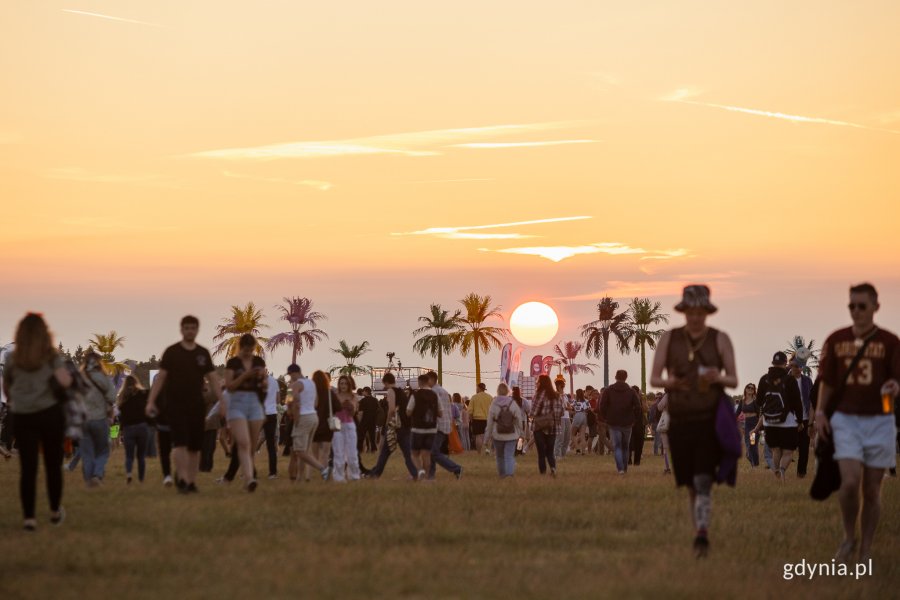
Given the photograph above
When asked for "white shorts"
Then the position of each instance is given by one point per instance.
(870, 439)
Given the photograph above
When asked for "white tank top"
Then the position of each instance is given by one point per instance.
(307, 397)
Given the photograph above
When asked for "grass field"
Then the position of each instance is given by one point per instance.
(587, 534)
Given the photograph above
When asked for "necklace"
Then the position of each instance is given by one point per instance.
(692, 348)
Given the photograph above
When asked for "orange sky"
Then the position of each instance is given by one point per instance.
(158, 158)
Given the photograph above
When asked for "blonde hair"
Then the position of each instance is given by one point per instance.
(502, 389)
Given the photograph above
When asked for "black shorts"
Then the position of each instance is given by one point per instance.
(783, 438)
(422, 441)
(188, 426)
(479, 426)
(694, 449)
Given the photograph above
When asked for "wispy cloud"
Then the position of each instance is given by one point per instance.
(322, 186)
(560, 253)
(522, 144)
(684, 95)
(108, 17)
(460, 233)
(420, 143)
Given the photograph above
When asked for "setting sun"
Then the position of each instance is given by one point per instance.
(534, 323)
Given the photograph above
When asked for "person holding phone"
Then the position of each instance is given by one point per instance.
(246, 380)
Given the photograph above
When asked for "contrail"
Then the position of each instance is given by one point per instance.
(680, 96)
(445, 230)
(91, 14)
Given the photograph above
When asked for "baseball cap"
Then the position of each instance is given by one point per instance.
(294, 368)
(780, 358)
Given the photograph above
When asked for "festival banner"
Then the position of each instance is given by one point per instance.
(536, 365)
(546, 365)
(505, 356)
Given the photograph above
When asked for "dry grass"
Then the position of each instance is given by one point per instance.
(587, 534)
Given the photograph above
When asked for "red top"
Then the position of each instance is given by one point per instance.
(881, 362)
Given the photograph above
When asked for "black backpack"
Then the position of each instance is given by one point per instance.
(773, 405)
(506, 420)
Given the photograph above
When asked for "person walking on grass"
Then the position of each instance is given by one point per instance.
(39, 422)
(132, 404)
(855, 410)
(505, 425)
(346, 457)
(749, 408)
(368, 422)
(270, 425)
(479, 405)
(804, 384)
(699, 364)
(397, 429)
(620, 409)
(306, 421)
(548, 413)
(561, 445)
(424, 411)
(782, 413)
(580, 407)
(327, 404)
(246, 380)
(98, 403)
(440, 452)
(181, 372)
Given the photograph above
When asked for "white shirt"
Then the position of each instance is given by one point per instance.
(443, 422)
(271, 402)
(307, 397)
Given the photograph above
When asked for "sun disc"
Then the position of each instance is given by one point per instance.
(534, 323)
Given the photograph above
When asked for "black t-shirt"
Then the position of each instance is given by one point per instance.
(185, 370)
(401, 399)
(132, 410)
(368, 408)
(236, 365)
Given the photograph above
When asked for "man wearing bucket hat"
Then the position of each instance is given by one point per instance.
(699, 364)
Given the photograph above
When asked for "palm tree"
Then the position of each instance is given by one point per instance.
(567, 354)
(350, 354)
(299, 313)
(474, 334)
(441, 323)
(596, 334)
(105, 345)
(242, 320)
(642, 316)
(799, 343)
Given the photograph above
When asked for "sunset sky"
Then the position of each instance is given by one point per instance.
(172, 157)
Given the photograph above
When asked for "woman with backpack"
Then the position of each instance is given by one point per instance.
(132, 404)
(505, 425)
(39, 418)
(548, 413)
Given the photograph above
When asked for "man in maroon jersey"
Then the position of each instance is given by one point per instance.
(863, 422)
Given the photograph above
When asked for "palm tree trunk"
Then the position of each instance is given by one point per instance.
(571, 384)
(294, 349)
(440, 367)
(477, 366)
(606, 359)
(643, 368)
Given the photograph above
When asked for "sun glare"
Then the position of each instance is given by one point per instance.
(534, 323)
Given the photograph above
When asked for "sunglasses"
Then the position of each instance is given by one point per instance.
(857, 306)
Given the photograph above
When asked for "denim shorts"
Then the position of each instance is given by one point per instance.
(245, 405)
(870, 439)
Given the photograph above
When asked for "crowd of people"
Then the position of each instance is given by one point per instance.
(330, 428)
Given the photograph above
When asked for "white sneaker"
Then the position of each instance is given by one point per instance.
(422, 475)
(168, 481)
